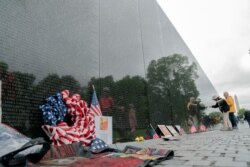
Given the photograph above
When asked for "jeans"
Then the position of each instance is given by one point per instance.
(232, 119)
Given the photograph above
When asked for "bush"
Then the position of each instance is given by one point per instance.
(215, 117)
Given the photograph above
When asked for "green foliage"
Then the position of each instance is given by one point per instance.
(48, 86)
(25, 81)
(133, 90)
(99, 84)
(53, 84)
(24, 84)
(241, 112)
(171, 81)
(70, 83)
(3, 69)
(117, 138)
(215, 117)
(125, 91)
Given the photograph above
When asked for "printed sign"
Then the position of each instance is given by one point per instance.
(104, 128)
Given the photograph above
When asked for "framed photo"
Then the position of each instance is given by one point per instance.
(162, 131)
(172, 130)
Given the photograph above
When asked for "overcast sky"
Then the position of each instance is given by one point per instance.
(218, 34)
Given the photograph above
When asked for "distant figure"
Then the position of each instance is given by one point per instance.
(120, 117)
(192, 112)
(247, 117)
(9, 88)
(106, 102)
(224, 108)
(132, 119)
(157, 118)
(230, 102)
(207, 121)
(200, 108)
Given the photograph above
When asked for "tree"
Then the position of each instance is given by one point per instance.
(70, 83)
(125, 91)
(241, 112)
(133, 90)
(215, 117)
(25, 83)
(171, 81)
(99, 84)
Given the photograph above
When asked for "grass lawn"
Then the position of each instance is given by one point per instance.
(126, 136)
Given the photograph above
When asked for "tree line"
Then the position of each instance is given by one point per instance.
(168, 84)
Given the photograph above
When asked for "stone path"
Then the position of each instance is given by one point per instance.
(213, 148)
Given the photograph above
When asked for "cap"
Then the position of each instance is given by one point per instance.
(215, 97)
(106, 89)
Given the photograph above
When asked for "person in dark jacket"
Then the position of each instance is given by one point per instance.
(224, 108)
(247, 116)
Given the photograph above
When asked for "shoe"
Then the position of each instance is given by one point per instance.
(229, 129)
(235, 127)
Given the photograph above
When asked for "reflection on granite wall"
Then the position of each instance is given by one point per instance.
(48, 46)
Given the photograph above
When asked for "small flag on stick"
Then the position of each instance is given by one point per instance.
(151, 133)
(95, 107)
(202, 128)
(193, 129)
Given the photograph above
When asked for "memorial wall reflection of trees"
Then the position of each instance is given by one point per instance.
(159, 98)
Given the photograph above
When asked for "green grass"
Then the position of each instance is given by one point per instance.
(127, 135)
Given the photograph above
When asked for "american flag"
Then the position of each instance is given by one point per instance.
(151, 133)
(95, 107)
(193, 129)
(97, 145)
(202, 128)
(155, 136)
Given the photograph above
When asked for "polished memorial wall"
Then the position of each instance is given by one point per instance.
(128, 48)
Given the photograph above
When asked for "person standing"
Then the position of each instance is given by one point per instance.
(224, 108)
(230, 102)
(9, 84)
(200, 108)
(192, 112)
(132, 119)
(247, 117)
(106, 102)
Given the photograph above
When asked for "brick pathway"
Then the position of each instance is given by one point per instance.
(213, 148)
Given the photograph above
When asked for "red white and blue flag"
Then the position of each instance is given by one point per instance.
(193, 129)
(202, 128)
(97, 145)
(151, 133)
(155, 136)
(95, 109)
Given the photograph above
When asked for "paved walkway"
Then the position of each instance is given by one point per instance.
(213, 148)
